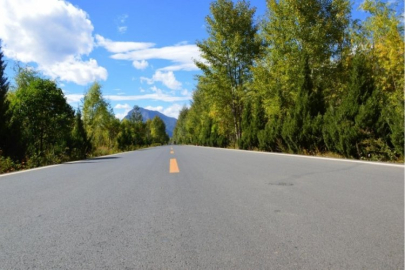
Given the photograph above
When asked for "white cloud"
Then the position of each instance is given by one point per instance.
(187, 67)
(74, 70)
(122, 106)
(182, 55)
(122, 29)
(73, 98)
(172, 111)
(158, 108)
(54, 34)
(121, 46)
(154, 96)
(126, 107)
(168, 79)
(147, 80)
(184, 92)
(140, 64)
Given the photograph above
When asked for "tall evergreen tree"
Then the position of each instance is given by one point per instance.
(356, 119)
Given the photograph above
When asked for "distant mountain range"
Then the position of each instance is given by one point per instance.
(170, 122)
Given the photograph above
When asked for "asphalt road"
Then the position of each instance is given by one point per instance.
(224, 209)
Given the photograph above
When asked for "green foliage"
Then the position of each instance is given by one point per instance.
(157, 129)
(40, 107)
(81, 144)
(229, 52)
(312, 81)
(5, 132)
(98, 118)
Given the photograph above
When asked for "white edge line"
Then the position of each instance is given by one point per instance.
(311, 157)
(68, 162)
(30, 170)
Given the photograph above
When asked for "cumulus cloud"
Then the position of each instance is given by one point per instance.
(140, 64)
(74, 70)
(168, 79)
(54, 34)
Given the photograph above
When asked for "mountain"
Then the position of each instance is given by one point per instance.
(170, 122)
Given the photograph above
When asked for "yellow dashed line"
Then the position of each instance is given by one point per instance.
(173, 166)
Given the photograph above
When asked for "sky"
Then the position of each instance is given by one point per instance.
(142, 52)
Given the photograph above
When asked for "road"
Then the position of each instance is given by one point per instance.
(221, 209)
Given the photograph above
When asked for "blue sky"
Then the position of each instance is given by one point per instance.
(140, 51)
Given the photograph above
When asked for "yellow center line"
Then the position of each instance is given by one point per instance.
(173, 166)
(172, 152)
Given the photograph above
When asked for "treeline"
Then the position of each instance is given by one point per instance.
(38, 126)
(306, 79)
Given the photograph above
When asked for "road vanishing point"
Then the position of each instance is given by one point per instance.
(186, 207)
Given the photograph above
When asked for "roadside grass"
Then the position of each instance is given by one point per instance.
(7, 165)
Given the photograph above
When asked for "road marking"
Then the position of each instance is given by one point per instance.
(173, 166)
(172, 152)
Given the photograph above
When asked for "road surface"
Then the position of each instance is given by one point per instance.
(185, 207)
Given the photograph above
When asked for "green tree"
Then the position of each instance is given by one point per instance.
(383, 42)
(356, 120)
(136, 115)
(158, 131)
(81, 145)
(302, 127)
(4, 106)
(98, 117)
(138, 125)
(180, 131)
(45, 116)
(247, 140)
(125, 138)
(228, 53)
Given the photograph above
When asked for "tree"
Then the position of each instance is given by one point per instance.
(383, 42)
(4, 106)
(158, 131)
(138, 125)
(81, 145)
(228, 53)
(98, 117)
(356, 120)
(136, 115)
(44, 114)
(247, 139)
(180, 131)
(302, 126)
